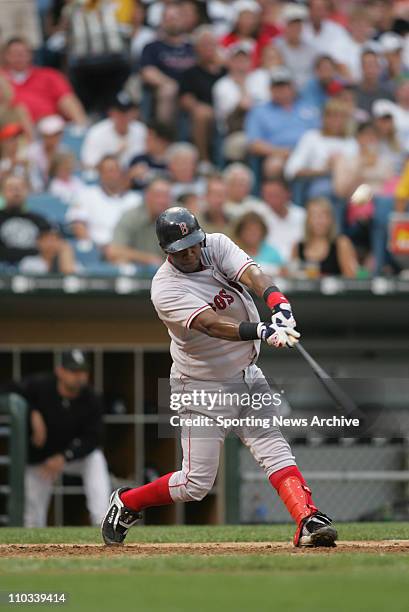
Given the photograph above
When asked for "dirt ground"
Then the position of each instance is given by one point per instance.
(214, 548)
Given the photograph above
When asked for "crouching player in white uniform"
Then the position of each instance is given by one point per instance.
(200, 293)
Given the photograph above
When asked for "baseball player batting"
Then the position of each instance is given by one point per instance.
(201, 295)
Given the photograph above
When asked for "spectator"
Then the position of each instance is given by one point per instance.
(273, 129)
(213, 218)
(367, 165)
(13, 152)
(191, 201)
(134, 239)
(250, 234)
(270, 23)
(314, 156)
(141, 34)
(41, 153)
(319, 88)
(246, 28)
(194, 14)
(154, 161)
(97, 52)
(297, 54)
(21, 18)
(384, 19)
(65, 437)
(347, 95)
(222, 16)
(370, 88)
(155, 12)
(285, 220)
(119, 134)
(322, 249)
(55, 255)
(183, 158)
(64, 184)
(19, 229)
(196, 90)
(164, 61)
(10, 112)
(360, 32)
(402, 191)
(326, 36)
(392, 48)
(399, 110)
(239, 182)
(42, 91)
(366, 223)
(232, 99)
(97, 208)
(258, 82)
(389, 142)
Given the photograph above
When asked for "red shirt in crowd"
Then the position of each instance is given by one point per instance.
(264, 38)
(40, 91)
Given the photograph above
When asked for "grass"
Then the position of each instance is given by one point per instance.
(200, 533)
(326, 582)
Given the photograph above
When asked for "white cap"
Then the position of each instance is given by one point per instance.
(246, 5)
(280, 74)
(373, 46)
(294, 12)
(244, 46)
(390, 42)
(381, 108)
(51, 125)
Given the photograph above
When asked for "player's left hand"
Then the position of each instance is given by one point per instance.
(283, 316)
(278, 335)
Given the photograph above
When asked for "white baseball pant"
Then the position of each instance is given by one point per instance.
(202, 445)
(97, 487)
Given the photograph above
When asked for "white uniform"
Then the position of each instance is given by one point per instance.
(201, 362)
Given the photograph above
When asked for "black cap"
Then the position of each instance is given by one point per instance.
(75, 360)
(178, 229)
(122, 101)
(49, 227)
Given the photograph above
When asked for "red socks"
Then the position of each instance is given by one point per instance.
(288, 482)
(155, 493)
(294, 492)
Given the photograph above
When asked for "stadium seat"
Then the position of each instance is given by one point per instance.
(73, 139)
(47, 205)
(86, 253)
(101, 269)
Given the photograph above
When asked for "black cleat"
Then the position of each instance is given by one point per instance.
(316, 530)
(118, 519)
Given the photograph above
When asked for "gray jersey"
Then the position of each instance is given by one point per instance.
(178, 298)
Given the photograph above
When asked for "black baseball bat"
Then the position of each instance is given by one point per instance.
(342, 400)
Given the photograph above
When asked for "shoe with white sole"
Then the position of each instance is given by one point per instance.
(118, 519)
(316, 530)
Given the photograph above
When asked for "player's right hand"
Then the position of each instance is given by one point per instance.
(282, 315)
(278, 335)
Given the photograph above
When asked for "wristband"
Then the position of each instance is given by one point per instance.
(273, 297)
(248, 331)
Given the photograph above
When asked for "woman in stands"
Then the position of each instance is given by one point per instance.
(325, 251)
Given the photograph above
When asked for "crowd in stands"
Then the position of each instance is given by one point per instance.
(260, 116)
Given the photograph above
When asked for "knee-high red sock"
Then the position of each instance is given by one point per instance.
(293, 490)
(155, 493)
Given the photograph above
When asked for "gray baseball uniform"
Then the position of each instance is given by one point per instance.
(201, 362)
